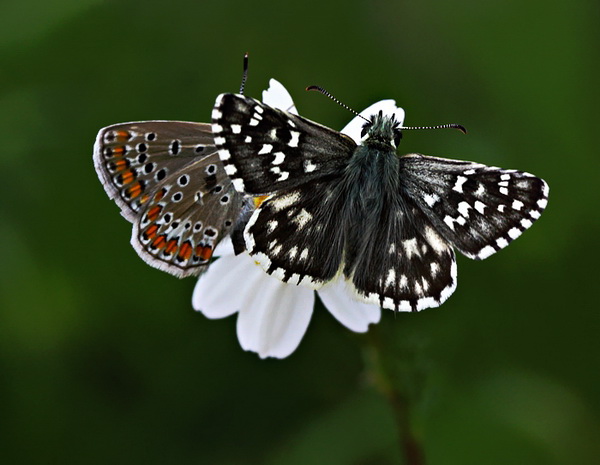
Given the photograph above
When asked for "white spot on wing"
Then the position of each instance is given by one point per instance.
(309, 166)
(279, 203)
(279, 157)
(236, 128)
(295, 138)
(403, 283)
(479, 206)
(460, 180)
(391, 277)
(304, 254)
(501, 242)
(517, 205)
(430, 199)
(410, 247)
(230, 169)
(435, 241)
(239, 185)
(486, 252)
(463, 208)
(266, 148)
(302, 218)
(514, 233)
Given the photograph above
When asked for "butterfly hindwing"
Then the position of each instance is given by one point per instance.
(296, 235)
(401, 263)
(266, 150)
(167, 179)
(477, 208)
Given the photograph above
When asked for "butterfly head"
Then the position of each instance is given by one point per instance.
(382, 130)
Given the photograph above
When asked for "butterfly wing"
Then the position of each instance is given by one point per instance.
(479, 209)
(296, 235)
(394, 257)
(167, 179)
(265, 149)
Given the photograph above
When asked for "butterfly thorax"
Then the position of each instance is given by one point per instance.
(371, 178)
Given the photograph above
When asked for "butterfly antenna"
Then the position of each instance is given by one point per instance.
(245, 75)
(460, 127)
(327, 94)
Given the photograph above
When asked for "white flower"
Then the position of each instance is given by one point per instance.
(273, 316)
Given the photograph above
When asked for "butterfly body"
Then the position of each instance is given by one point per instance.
(388, 224)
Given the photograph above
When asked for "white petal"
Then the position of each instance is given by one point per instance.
(273, 321)
(355, 315)
(277, 96)
(226, 285)
(388, 107)
(224, 249)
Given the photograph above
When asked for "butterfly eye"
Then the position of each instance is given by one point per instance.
(397, 136)
(365, 129)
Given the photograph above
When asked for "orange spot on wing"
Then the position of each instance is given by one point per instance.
(258, 200)
(159, 242)
(118, 151)
(120, 165)
(128, 177)
(159, 195)
(150, 233)
(204, 252)
(185, 251)
(171, 246)
(122, 136)
(135, 190)
(144, 198)
(154, 212)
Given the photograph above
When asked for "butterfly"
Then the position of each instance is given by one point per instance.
(389, 224)
(167, 179)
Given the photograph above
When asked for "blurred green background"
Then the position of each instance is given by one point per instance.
(103, 360)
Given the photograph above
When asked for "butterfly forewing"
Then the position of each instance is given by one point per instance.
(479, 209)
(167, 179)
(265, 149)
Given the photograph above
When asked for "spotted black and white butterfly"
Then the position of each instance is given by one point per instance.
(388, 223)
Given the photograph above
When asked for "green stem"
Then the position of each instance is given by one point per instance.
(399, 379)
